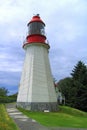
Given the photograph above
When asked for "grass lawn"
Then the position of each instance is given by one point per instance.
(66, 117)
(6, 123)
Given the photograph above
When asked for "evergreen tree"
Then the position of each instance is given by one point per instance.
(79, 76)
(75, 88)
(79, 73)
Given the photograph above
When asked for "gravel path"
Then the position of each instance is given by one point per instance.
(25, 123)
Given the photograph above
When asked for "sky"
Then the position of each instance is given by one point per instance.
(66, 29)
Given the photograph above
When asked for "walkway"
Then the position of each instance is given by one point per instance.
(25, 123)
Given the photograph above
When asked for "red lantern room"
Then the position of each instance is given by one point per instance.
(36, 31)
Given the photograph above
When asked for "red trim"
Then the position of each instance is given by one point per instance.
(36, 38)
(36, 19)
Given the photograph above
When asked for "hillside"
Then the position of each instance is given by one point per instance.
(65, 117)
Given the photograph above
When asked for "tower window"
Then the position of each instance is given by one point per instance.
(36, 28)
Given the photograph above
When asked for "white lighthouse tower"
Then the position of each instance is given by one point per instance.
(36, 89)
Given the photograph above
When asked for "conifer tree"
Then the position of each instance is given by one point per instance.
(79, 73)
(75, 87)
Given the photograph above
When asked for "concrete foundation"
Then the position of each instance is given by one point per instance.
(38, 106)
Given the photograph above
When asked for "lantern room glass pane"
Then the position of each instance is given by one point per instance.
(36, 28)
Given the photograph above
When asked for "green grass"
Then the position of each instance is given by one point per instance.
(6, 123)
(66, 117)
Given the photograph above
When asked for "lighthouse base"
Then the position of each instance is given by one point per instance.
(41, 106)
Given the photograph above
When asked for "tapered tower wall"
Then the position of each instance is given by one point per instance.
(36, 85)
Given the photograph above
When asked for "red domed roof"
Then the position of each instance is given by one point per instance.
(36, 18)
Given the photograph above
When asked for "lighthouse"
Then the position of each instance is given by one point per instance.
(36, 90)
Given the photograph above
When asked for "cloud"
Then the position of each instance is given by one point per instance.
(66, 27)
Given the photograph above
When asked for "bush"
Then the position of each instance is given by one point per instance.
(6, 99)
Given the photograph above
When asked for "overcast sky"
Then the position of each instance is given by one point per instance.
(66, 29)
